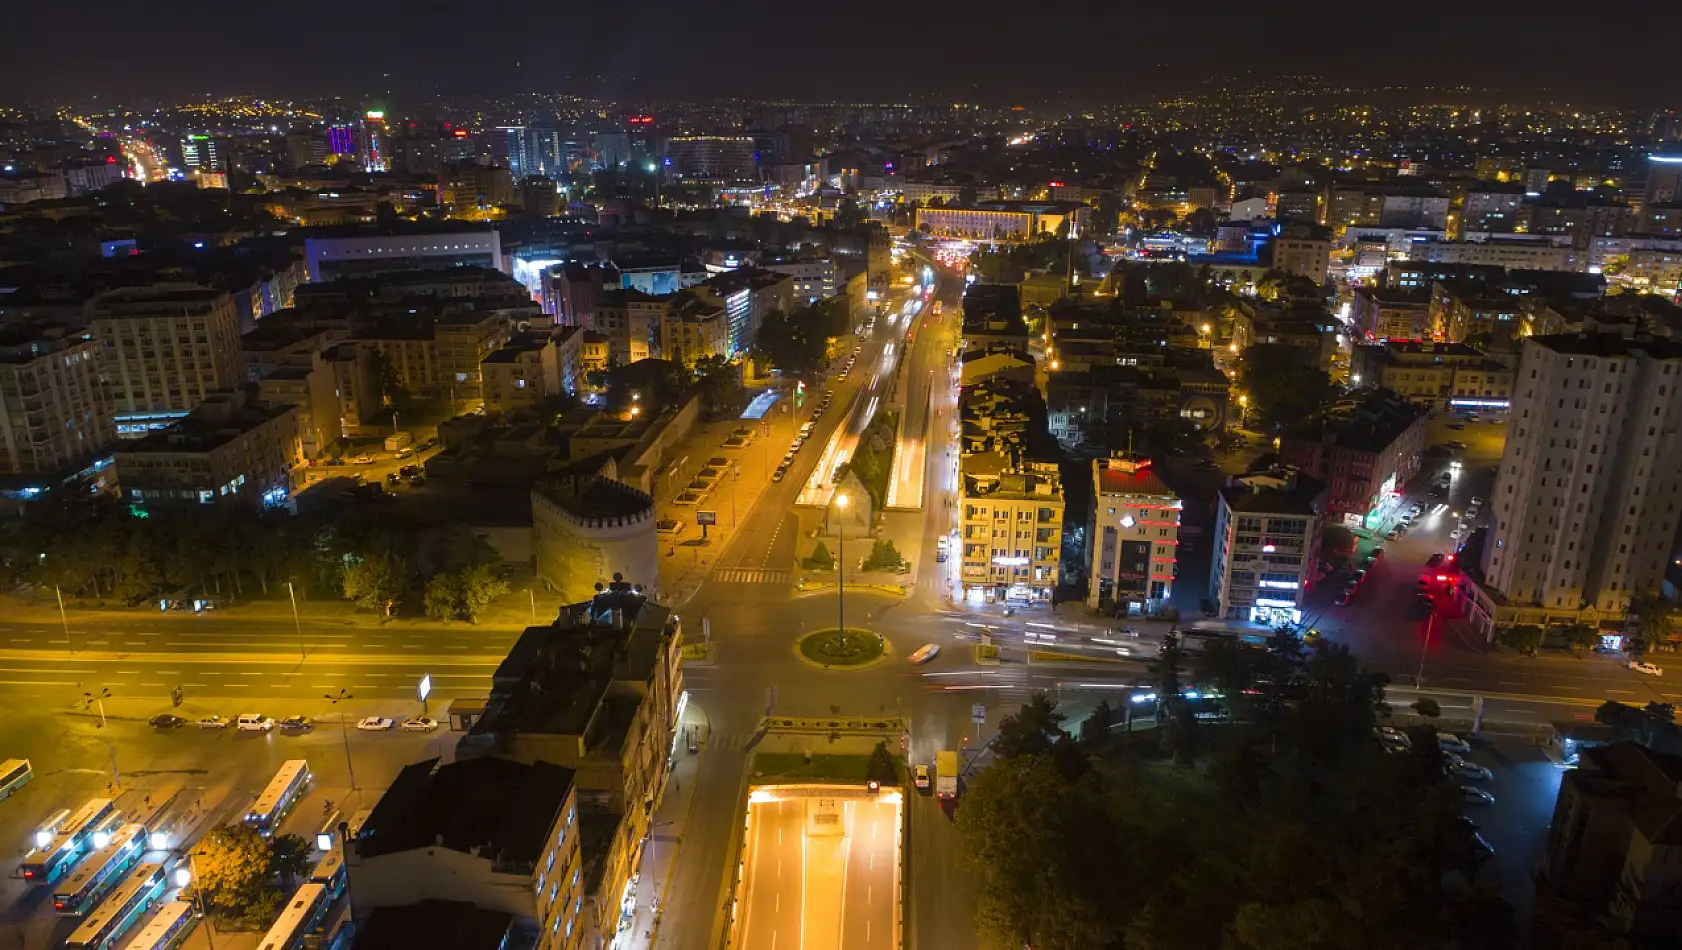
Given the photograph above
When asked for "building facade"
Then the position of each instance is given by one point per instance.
(1267, 545)
(163, 349)
(1012, 528)
(229, 450)
(1365, 454)
(1133, 537)
(1584, 511)
(54, 418)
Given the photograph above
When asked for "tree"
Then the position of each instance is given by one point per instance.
(1427, 707)
(1653, 726)
(375, 582)
(1523, 637)
(1653, 616)
(884, 556)
(882, 768)
(233, 863)
(1096, 727)
(1170, 659)
(1579, 636)
(1031, 730)
(821, 559)
(1283, 386)
(289, 859)
(480, 585)
(443, 592)
(719, 382)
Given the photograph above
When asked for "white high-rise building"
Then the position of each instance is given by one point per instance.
(1586, 500)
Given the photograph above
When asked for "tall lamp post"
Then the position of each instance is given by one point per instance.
(344, 731)
(841, 567)
(91, 699)
(1419, 677)
(189, 875)
(292, 595)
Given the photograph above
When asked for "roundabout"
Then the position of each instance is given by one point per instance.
(852, 649)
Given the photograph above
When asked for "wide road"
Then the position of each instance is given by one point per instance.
(818, 886)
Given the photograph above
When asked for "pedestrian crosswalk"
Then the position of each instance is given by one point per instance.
(737, 575)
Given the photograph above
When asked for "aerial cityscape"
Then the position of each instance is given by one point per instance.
(498, 495)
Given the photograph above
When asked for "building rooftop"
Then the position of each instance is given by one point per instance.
(1124, 475)
(1649, 781)
(147, 298)
(555, 679)
(594, 497)
(1284, 492)
(458, 925)
(221, 418)
(495, 808)
(1608, 345)
(1372, 425)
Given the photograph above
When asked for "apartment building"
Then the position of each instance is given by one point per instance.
(163, 349)
(630, 320)
(1012, 529)
(1267, 542)
(693, 329)
(1452, 375)
(54, 417)
(530, 368)
(308, 383)
(1613, 862)
(1585, 507)
(1304, 250)
(1133, 537)
(1384, 314)
(231, 449)
(499, 834)
(1364, 449)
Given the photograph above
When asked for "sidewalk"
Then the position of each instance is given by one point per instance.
(642, 928)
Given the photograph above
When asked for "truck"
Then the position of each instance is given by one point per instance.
(398, 440)
(946, 774)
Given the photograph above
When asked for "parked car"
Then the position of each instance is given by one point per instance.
(1640, 666)
(213, 722)
(1449, 742)
(1461, 768)
(296, 724)
(1475, 796)
(375, 724)
(166, 721)
(254, 722)
(419, 724)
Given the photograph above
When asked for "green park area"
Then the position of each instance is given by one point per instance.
(833, 647)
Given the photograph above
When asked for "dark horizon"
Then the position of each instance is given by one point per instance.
(755, 50)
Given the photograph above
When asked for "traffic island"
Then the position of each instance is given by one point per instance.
(831, 648)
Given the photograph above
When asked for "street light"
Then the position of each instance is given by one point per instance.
(841, 568)
(187, 875)
(91, 699)
(292, 595)
(344, 731)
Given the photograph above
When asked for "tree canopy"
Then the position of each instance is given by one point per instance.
(1283, 385)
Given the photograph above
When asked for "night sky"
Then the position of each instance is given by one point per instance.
(985, 50)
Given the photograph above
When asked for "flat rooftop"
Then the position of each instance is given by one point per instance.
(501, 807)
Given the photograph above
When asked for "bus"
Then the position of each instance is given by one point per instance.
(166, 930)
(277, 800)
(14, 774)
(329, 872)
(55, 853)
(127, 904)
(303, 914)
(104, 868)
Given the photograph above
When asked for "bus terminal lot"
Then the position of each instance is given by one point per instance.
(209, 776)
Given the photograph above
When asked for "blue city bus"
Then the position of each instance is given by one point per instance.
(56, 850)
(117, 913)
(103, 870)
(167, 929)
(14, 774)
(329, 872)
(283, 791)
(299, 921)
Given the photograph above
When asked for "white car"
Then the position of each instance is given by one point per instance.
(419, 724)
(375, 724)
(1469, 770)
(925, 653)
(213, 722)
(255, 722)
(1648, 668)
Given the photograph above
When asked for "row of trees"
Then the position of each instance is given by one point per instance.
(105, 551)
(1283, 827)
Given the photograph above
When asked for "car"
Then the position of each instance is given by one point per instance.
(1461, 768)
(375, 724)
(254, 722)
(1357, 577)
(1457, 426)
(1392, 734)
(924, 653)
(362, 460)
(1344, 598)
(1375, 554)
(419, 724)
(1456, 444)
(920, 776)
(1640, 666)
(296, 724)
(1475, 796)
(940, 557)
(392, 478)
(1482, 843)
(1434, 559)
(1449, 742)
(1393, 534)
(1476, 501)
(213, 722)
(166, 721)
(417, 481)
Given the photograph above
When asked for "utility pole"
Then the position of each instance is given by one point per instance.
(91, 699)
(64, 620)
(841, 567)
(344, 731)
(292, 595)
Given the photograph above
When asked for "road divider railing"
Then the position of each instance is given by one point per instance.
(1051, 656)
